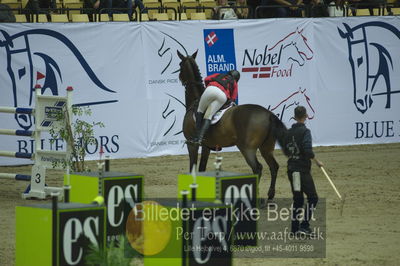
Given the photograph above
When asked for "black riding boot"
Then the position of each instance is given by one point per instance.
(199, 120)
(203, 130)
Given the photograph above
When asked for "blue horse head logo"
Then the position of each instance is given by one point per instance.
(371, 62)
(22, 64)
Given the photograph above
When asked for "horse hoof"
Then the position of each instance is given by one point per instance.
(262, 203)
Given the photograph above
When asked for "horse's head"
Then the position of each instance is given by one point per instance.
(19, 70)
(297, 48)
(303, 49)
(304, 100)
(285, 109)
(190, 77)
(359, 62)
(28, 63)
(365, 74)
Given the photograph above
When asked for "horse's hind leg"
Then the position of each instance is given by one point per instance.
(251, 159)
(267, 154)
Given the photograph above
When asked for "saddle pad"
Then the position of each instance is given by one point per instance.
(218, 115)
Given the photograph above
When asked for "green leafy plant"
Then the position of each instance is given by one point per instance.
(114, 255)
(78, 134)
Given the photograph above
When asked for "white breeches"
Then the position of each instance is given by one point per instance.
(211, 101)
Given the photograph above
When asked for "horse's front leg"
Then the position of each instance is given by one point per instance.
(205, 153)
(193, 150)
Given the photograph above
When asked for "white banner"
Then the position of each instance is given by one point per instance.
(358, 80)
(345, 71)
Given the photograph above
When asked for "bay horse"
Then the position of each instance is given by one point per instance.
(250, 127)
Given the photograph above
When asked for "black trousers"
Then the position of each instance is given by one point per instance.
(307, 187)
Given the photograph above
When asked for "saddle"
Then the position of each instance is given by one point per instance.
(218, 115)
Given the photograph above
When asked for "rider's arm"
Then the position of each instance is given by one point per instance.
(234, 93)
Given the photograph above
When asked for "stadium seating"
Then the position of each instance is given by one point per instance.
(59, 18)
(198, 16)
(79, 18)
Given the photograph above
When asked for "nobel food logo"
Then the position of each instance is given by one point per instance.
(219, 47)
(278, 59)
(373, 49)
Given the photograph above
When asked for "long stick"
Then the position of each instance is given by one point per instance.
(330, 181)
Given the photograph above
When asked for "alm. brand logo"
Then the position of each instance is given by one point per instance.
(373, 56)
(29, 62)
(276, 60)
(219, 45)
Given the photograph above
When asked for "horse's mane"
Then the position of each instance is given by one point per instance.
(196, 71)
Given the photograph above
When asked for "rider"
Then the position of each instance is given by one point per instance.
(219, 89)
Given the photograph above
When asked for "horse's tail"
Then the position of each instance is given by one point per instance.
(279, 131)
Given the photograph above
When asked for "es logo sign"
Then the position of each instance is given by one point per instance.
(241, 194)
(78, 231)
(210, 243)
(121, 195)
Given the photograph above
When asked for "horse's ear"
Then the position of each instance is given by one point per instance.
(349, 32)
(181, 56)
(5, 38)
(342, 34)
(195, 54)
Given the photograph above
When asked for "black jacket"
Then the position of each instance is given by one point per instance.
(6, 14)
(299, 148)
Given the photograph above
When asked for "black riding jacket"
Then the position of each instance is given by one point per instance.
(299, 148)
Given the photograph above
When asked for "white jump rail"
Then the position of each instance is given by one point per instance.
(45, 114)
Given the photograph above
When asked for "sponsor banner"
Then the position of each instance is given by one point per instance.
(101, 70)
(358, 80)
(344, 71)
(219, 45)
(165, 94)
(275, 60)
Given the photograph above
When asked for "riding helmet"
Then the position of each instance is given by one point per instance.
(235, 74)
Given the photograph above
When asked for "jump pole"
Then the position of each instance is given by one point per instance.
(342, 199)
(38, 188)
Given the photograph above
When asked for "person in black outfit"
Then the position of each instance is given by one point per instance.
(6, 14)
(300, 153)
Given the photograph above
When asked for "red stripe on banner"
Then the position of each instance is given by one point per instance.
(255, 76)
(265, 69)
(265, 75)
(250, 69)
